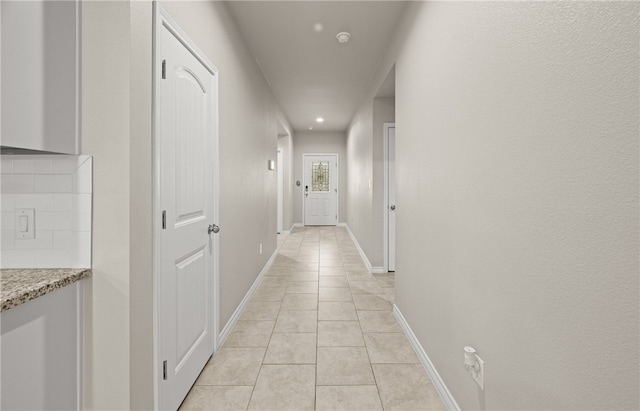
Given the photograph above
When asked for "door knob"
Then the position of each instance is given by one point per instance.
(213, 229)
(393, 207)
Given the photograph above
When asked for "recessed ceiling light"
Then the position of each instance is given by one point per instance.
(318, 27)
(310, 127)
(319, 120)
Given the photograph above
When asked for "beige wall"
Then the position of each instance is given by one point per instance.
(285, 144)
(517, 192)
(248, 131)
(106, 136)
(365, 161)
(360, 215)
(383, 112)
(311, 142)
(116, 121)
(141, 208)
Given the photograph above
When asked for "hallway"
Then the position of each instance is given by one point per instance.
(318, 333)
(508, 194)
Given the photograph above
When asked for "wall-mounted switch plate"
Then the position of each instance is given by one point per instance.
(260, 249)
(25, 223)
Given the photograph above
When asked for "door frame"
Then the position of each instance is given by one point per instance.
(385, 195)
(162, 19)
(304, 177)
(280, 191)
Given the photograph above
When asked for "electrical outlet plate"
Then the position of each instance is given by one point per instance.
(479, 377)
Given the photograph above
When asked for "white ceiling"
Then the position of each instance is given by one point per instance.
(311, 73)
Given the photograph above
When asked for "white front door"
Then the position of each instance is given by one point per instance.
(320, 189)
(391, 192)
(186, 147)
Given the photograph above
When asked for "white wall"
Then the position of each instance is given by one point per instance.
(517, 192)
(310, 142)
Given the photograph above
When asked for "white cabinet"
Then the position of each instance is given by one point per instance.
(40, 81)
(41, 352)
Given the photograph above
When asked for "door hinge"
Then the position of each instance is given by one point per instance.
(164, 219)
(164, 69)
(164, 369)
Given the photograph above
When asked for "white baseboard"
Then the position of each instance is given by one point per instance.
(238, 312)
(285, 232)
(357, 244)
(438, 383)
(294, 225)
(370, 268)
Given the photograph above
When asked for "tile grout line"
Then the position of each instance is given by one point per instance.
(267, 348)
(331, 242)
(369, 357)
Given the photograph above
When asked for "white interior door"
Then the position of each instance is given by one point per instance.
(391, 150)
(280, 184)
(186, 144)
(320, 189)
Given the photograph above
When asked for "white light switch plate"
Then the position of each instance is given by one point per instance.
(25, 223)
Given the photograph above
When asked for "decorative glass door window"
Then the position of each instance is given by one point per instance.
(320, 176)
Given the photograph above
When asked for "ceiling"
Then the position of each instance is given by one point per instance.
(311, 74)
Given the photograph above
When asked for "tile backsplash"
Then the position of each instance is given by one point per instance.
(59, 189)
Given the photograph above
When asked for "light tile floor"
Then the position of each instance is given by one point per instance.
(318, 334)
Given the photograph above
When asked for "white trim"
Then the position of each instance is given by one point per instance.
(437, 381)
(243, 304)
(370, 268)
(162, 19)
(157, 246)
(294, 225)
(337, 182)
(280, 191)
(80, 341)
(385, 196)
(285, 232)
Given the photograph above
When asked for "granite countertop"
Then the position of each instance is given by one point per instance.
(23, 284)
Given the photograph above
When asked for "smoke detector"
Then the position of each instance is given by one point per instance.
(343, 37)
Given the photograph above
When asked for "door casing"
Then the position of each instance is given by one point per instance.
(162, 19)
(385, 196)
(304, 176)
(280, 191)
